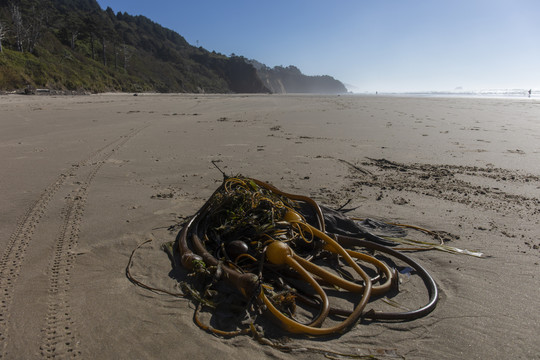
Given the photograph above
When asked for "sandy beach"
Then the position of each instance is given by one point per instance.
(85, 179)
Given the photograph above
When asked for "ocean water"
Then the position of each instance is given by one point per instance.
(489, 93)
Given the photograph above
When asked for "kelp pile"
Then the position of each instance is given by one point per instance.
(274, 249)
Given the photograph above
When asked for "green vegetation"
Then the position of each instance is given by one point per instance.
(75, 45)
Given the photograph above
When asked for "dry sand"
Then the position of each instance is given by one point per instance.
(85, 179)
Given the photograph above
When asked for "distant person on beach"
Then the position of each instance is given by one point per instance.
(530, 90)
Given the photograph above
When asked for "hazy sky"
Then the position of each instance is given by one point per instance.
(369, 45)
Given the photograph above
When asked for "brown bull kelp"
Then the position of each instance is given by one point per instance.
(274, 248)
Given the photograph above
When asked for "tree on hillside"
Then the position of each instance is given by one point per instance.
(127, 55)
(27, 27)
(91, 28)
(72, 28)
(3, 32)
(105, 29)
(35, 27)
(18, 27)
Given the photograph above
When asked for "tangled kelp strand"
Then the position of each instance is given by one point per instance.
(266, 246)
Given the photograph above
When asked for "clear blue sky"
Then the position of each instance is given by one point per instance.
(370, 45)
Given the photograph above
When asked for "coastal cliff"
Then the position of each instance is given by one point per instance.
(74, 45)
(286, 80)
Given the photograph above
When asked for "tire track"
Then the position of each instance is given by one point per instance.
(14, 254)
(59, 336)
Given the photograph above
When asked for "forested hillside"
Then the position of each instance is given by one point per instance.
(77, 46)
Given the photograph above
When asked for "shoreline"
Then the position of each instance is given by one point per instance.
(475, 95)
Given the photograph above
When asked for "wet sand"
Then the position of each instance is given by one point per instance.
(86, 179)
